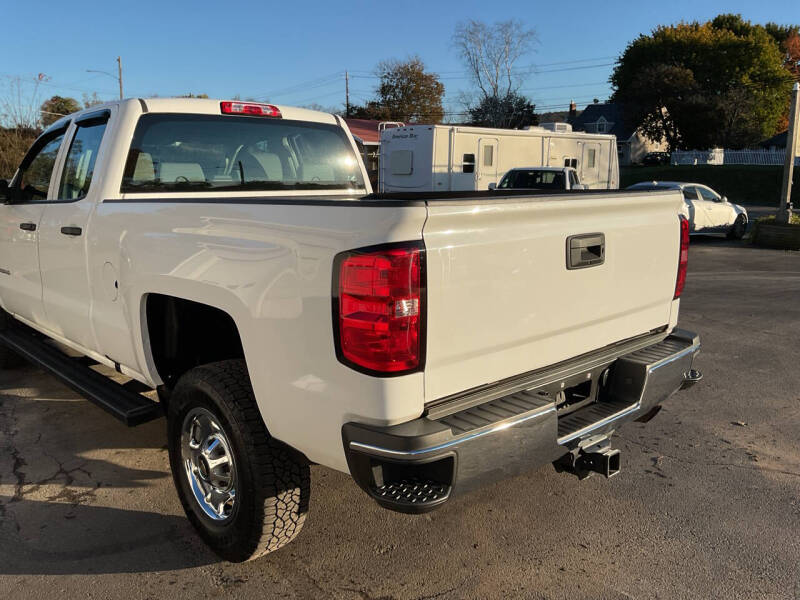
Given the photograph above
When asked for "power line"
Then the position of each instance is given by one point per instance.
(310, 84)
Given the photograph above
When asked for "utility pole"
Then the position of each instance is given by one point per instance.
(118, 76)
(119, 71)
(785, 211)
(346, 94)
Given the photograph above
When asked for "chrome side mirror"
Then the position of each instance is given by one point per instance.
(492, 186)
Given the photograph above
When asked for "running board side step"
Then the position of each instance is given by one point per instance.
(127, 406)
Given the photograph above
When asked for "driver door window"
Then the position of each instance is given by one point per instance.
(34, 181)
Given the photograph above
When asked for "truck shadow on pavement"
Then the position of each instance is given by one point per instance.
(63, 463)
(53, 538)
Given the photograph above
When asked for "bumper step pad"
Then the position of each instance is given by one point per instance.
(413, 491)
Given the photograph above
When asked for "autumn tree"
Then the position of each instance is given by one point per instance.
(406, 92)
(720, 83)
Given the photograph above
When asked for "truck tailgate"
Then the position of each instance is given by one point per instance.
(502, 301)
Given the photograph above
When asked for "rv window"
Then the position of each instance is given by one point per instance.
(488, 156)
(469, 163)
(571, 162)
(402, 162)
(590, 158)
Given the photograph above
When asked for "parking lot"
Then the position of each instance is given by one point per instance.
(707, 504)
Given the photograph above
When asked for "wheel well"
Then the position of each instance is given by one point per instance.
(184, 334)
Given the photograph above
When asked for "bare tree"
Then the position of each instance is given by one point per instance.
(19, 106)
(19, 121)
(490, 53)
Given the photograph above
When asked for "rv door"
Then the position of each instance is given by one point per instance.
(590, 172)
(486, 171)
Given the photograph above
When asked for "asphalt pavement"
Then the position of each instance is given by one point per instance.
(707, 504)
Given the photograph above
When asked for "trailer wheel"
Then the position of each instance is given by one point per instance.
(245, 492)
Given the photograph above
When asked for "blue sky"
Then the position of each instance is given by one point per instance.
(297, 52)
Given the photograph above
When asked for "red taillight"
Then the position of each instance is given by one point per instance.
(378, 314)
(683, 259)
(254, 109)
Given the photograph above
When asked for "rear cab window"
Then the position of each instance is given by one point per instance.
(76, 177)
(197, 153)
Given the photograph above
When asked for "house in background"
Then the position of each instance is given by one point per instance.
(776, 142)
(632, 145)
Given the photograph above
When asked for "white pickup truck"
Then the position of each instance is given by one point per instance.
(231, 256)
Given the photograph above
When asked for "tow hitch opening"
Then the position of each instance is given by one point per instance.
(586, 462)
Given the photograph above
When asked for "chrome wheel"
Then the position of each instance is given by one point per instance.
(208, 464)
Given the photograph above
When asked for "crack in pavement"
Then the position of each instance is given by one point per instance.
(705, 463)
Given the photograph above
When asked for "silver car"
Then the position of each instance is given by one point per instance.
(707, 211)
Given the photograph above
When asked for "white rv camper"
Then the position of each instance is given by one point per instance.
(439, 158)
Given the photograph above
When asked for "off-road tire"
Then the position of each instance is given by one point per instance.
(273, 481)
(737, 230)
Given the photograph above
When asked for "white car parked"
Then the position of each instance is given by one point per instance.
(707, 211)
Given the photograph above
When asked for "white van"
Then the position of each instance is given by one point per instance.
(443, 158)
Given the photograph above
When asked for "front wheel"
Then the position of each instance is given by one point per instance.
(738, 228)
(245, 492)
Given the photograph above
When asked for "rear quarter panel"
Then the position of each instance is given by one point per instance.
(269, 266)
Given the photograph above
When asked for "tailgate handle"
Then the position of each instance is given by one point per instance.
(586, 250)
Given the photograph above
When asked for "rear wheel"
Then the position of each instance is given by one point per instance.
(245, 492)
(738, 228)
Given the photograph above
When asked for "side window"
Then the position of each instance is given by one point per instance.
(81, 159)
(488, 156)
(468, 163)
(37, 171)
(590, 158)
(402, 162)
(690, 193)
(707, 194)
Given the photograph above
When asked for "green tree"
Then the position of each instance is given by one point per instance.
(720, 83)
(56, 107)
(406, 92)
(512, 111)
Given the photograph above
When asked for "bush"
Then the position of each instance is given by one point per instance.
(743, 184)
(14, 143)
